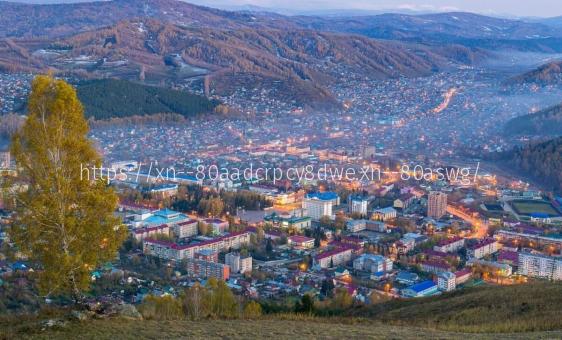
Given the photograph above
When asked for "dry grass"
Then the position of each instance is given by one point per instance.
(308, 328)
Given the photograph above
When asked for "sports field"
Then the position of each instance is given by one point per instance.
(528, 207)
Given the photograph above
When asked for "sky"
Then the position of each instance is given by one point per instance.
(519, 8)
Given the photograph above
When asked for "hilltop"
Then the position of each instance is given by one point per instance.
(546, 74)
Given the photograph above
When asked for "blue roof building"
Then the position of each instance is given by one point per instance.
(425, 288)
(323, 196)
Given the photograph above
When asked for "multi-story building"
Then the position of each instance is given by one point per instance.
(218, 225)
(540, 265)
(207, 255)
(463, 275)
(175, 251)
(141, 233)
(372, 263)
(333, 258)
(450, 245)
(206, 269)
(238, 263)
(358, 205)
(485, 247)
(298, 223)
(435, 266)
(355, 226)
(446, 281)
(186, 229)
(436, 204)
(318, 205)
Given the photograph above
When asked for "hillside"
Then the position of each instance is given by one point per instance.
(542, 161)
(501, 309)
(546, 74)
(111, 98)
(506, 312)
(544, 122)
(303, 62)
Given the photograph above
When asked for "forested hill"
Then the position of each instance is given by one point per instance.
(542, 161)
(544, 122)
(112, 98)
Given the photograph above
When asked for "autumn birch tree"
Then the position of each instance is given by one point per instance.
(64, 219)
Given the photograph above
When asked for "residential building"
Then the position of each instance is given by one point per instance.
(450, 245)
(143, 232)
(186, 229)
(435, 267)
(372, 263)
(436, 204)
(333, 258)
(318, 205)
(300, 242)
(175, 251)
(425, 288)
(540, 266)
(218, 225)
(483, 248)
(463, 275)
(446, 281)
(205, 269)
(207, 255)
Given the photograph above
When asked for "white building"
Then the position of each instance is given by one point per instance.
(485, 247)
(358, 205)
(320, 204)
(372, 263)
(238, 263)
(541, 266)
(355, 226)
(446, 281)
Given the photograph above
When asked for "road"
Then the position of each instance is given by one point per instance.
(481, 225)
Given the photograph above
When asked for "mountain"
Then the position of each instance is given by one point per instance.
(299, 63)
(546, 74)
(56, 20)
(544, 122)
(467, 29)
(542, 161)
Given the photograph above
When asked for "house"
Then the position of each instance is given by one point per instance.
(300, 242)
(298, 223)
(446, 281)
(483, 248)
(425, 288)
(449, 245)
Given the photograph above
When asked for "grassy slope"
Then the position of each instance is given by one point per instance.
(248, 329)
(512, 311)
(520, 308)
